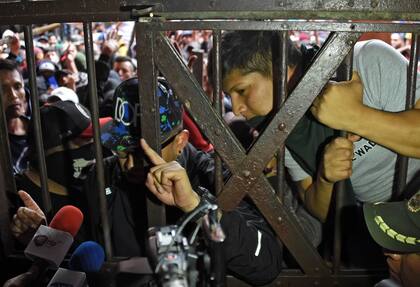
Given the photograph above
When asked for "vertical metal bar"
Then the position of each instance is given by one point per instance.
(197, 66)
(30, 58)
(93, 92)
(5, 155)
(6, 238)
(217, 257)
(217, 102)
(279, 55)
(149, 108)
(9, 186)
(402, 161)
(344, 73)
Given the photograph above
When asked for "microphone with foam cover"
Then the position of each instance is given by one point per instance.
(49, 245)
(52, 243)
(88, 257)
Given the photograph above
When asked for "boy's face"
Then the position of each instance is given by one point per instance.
(251, 93)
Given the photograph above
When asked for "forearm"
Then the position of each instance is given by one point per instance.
(317, 198)
(399, 132)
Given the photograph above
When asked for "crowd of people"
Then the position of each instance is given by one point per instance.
(370, 107)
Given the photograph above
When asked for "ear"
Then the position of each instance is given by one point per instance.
(181, 139)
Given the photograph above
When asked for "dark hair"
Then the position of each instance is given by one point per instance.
(250, 51)
(121, 59)
(8, 65)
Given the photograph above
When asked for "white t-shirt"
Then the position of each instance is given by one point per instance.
(383, 72)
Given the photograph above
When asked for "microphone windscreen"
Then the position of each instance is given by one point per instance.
(69, 219)
(88, 257)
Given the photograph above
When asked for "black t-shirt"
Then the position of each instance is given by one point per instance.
(19, 152)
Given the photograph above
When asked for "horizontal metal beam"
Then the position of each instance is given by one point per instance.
(285, 25)
(292, 277)
(40, 12)
(278, 9)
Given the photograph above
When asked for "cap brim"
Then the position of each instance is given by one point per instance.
(116, 136)
(391, 227)
(88, 132)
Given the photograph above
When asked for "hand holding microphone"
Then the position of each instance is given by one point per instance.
(49, 245)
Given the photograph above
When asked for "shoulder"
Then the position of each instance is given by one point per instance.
(376, 49)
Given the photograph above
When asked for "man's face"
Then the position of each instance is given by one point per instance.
(124, 69)
(14, 99)
(251, 93)
(132, 173)
(405, 268)
(396, 41)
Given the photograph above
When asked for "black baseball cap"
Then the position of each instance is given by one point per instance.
(395, 225)
(123, 132)
(61, 121)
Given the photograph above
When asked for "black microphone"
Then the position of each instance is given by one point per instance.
(49, 245)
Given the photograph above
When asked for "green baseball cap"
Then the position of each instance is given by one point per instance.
(395, 225)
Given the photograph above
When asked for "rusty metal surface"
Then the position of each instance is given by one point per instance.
(318, 74)
(194, 98)
(42, 168)
(344, 73)
(402, 161)
(269, 9)
(279, 65)
(282, 25)
(350, 278)
(93, 92)
(37, 12)
(7, 185)
(217, 103)
(261, 192)
(149, 118)
(246, 169)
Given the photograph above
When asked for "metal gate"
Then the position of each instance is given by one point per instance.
(155, 53)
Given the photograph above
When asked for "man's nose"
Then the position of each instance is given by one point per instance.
(12, 94)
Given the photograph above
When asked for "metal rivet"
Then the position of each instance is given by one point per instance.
(279, 218)
(350, 42)
(246, 173)
(152, 110)
(282, 126)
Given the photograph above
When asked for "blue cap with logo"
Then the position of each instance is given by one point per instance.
(123, 132)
